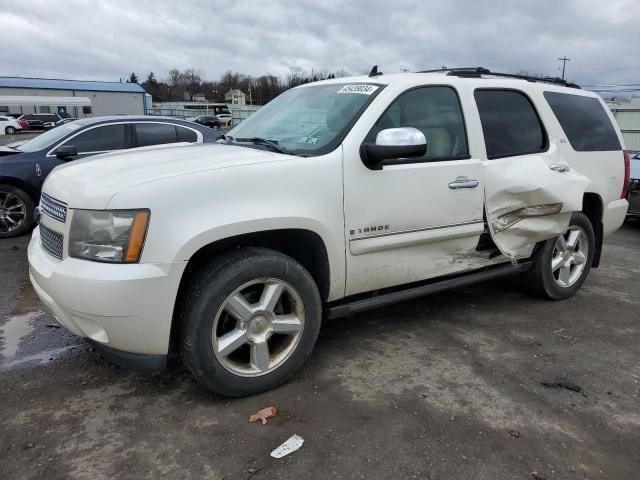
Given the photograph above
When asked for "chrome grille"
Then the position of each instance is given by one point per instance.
(51, 242)
(54, 208)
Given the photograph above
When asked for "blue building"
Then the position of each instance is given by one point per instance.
(22, 95)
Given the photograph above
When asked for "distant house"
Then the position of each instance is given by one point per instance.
(199, 97)
(235, 97)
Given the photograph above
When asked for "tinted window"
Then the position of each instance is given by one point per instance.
(155, 134)
(186, 135)
(101, 139)
(436, 112)
(510, 123)
(584, 121)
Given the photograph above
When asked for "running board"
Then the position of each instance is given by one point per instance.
(384, 299)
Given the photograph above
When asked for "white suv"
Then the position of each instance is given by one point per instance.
(336, 197)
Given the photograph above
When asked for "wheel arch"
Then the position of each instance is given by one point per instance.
(304, 246)
(22, 185)
(593, 208)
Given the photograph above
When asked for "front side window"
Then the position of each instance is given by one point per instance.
(186, 135)
(436, 112)
(101, 139)
(510, 124)
(584, 122)
(155, 134)
(309, 120)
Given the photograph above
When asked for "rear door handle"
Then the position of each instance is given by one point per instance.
(560, 167)
(463, 183)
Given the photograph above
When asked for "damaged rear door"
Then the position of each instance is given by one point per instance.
(530, 190)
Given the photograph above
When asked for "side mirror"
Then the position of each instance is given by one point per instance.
(66, 151)
(393, 143)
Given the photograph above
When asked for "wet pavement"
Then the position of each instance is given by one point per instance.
(480, 382)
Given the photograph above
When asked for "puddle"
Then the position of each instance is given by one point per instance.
(41, 357)
(14, 330)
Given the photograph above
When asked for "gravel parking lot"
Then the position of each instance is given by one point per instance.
(480, 382)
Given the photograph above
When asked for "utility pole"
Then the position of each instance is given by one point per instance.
(564, 61)
(404, 70)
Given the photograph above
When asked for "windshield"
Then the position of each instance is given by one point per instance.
(309, 120)
(48, 138)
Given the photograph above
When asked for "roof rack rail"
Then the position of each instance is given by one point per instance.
(477, 72)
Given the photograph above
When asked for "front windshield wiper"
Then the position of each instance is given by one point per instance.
(272, 144)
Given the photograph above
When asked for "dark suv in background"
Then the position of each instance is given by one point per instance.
(24, 168)
(40, 121)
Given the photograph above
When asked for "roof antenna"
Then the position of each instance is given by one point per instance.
(374, 71)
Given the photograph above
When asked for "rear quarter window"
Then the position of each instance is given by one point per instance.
(584, 122)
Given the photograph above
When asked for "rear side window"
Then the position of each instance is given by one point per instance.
(155, 134)
(101, 139)
(584, 121)
(510, 124)
(186, 135)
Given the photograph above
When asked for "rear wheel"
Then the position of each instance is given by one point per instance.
(10, 130)
(561, 265)
(250, 320)
(16, 211)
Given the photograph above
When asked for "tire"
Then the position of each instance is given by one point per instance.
(236, 367)
(543, 280)
(16, 211)
(10, 130)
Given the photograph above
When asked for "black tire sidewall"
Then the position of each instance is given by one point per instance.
(26, 199)
(554, 290)
(244, 266)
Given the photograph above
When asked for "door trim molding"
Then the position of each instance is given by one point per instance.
(408, 238)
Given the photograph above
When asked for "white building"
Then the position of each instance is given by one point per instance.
(235, 97)
(23, 95)
(627, 114)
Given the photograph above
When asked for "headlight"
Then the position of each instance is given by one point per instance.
(115, 236)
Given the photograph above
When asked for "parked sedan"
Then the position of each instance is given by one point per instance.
(210, 121)
(24, 167)
(9, 126)
(634, 185)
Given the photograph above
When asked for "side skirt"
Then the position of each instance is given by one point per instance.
(381, 298)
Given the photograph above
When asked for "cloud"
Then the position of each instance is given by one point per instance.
(108, 40)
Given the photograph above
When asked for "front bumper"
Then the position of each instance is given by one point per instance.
(126, 308)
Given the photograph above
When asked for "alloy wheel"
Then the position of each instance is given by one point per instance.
(13, 212)
(258, 327)
(570, 256)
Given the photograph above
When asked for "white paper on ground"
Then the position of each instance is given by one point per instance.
(291, 445)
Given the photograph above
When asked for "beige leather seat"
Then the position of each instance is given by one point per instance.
(424, 117)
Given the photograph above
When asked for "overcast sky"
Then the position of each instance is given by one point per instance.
(105, 40)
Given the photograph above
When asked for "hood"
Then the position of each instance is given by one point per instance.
(92, 182)
(7, 150)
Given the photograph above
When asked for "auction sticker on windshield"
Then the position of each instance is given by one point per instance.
(363, 89)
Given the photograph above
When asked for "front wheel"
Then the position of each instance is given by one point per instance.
(561, 265)
(249, 321)
(16, 211)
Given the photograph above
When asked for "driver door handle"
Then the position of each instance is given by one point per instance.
(560, 167)
(463, 183)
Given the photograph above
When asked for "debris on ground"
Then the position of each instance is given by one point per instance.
(566, 385)
(53, 325)
(263, 414)
(537, 476)
(514, 433)
(291, 445)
